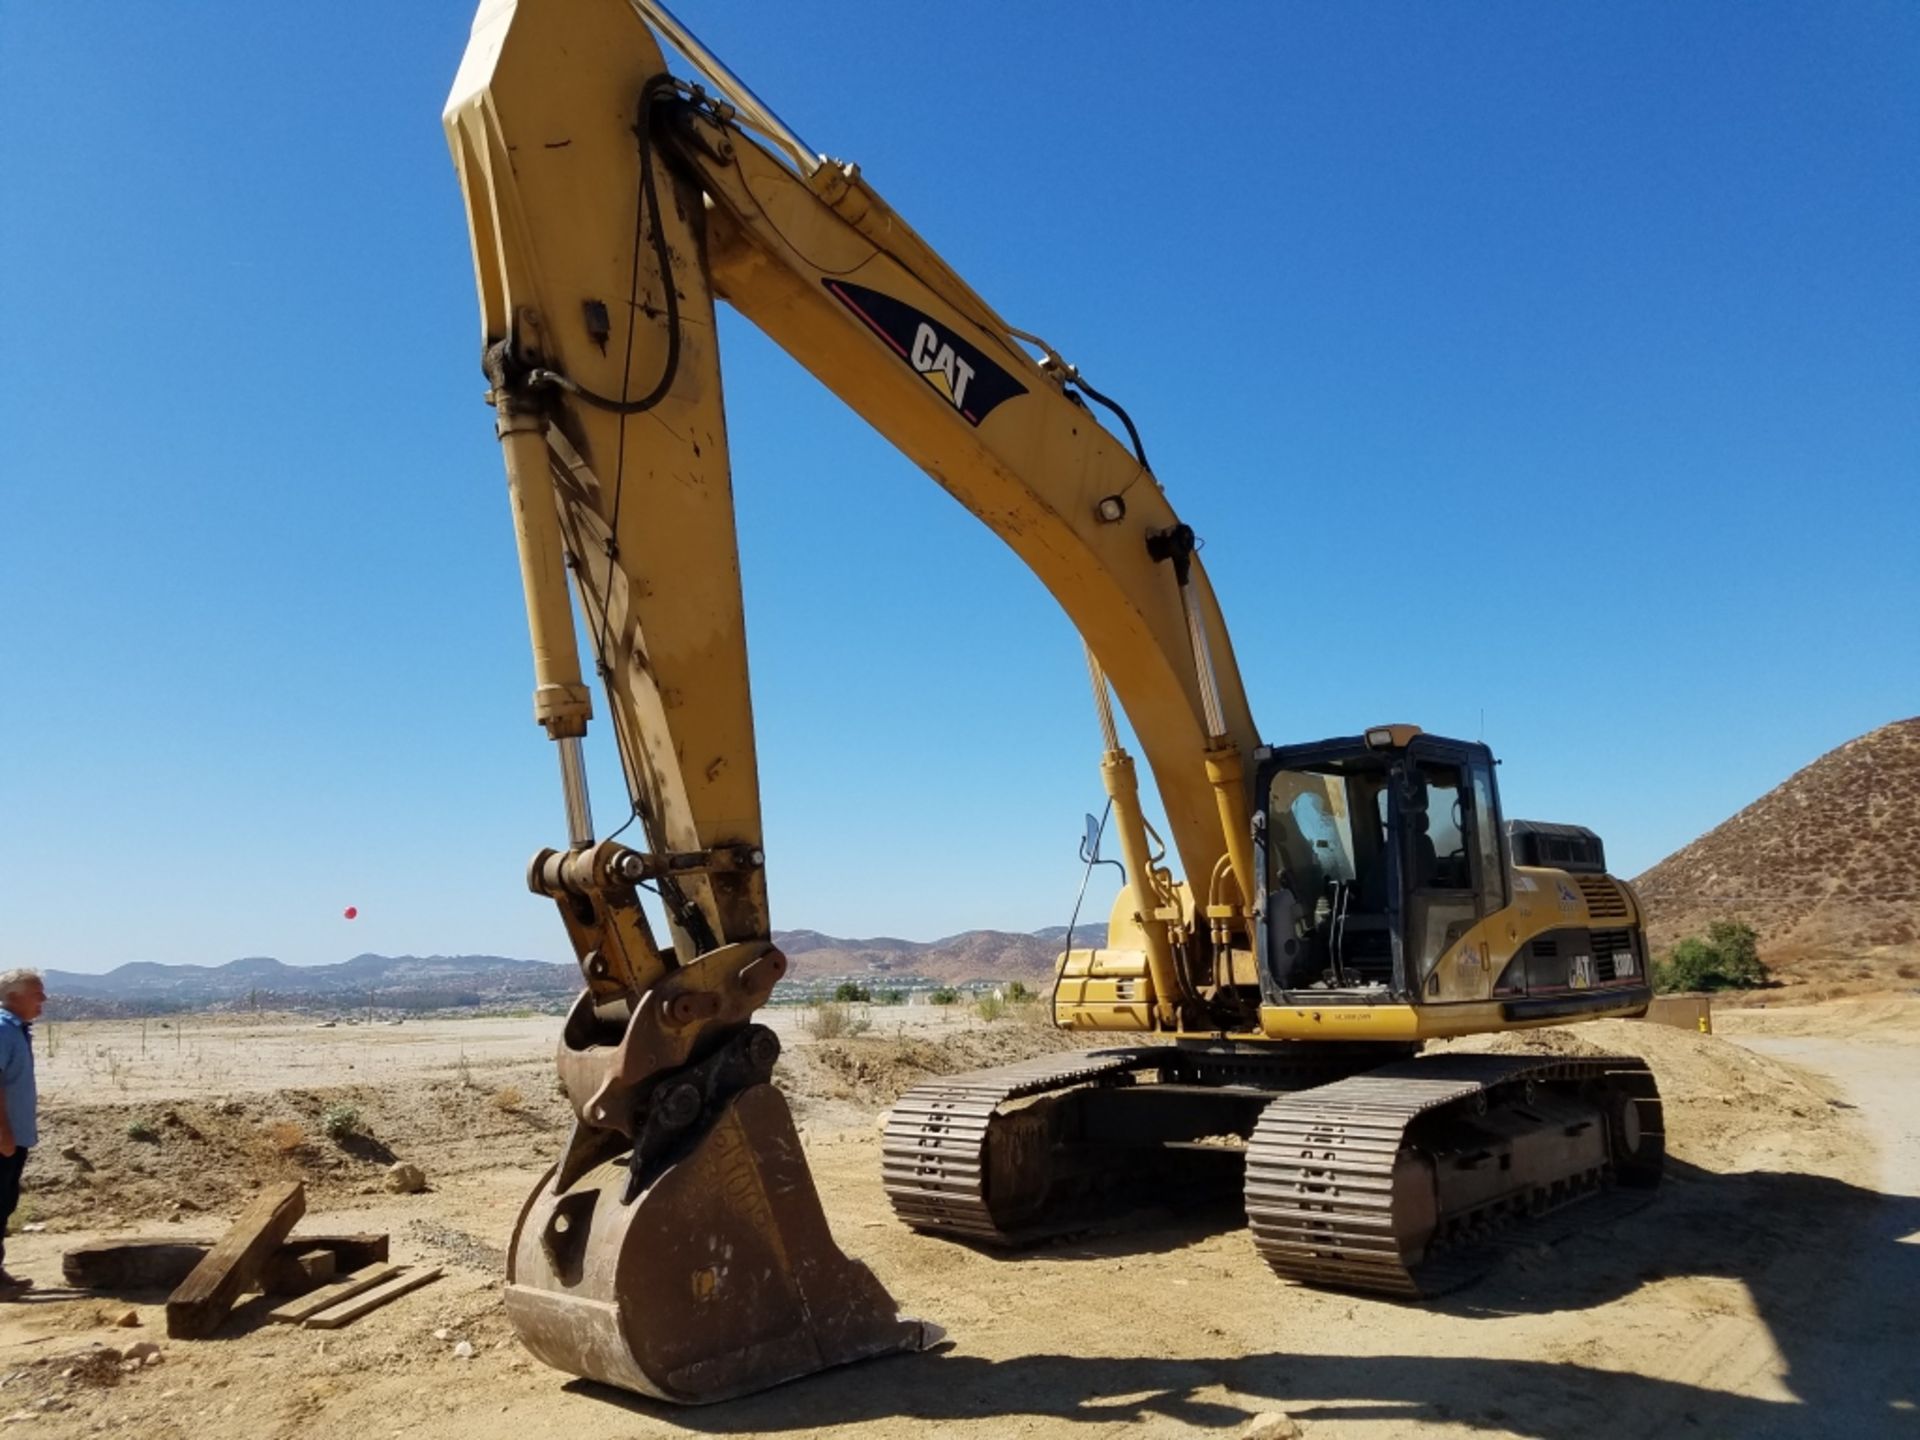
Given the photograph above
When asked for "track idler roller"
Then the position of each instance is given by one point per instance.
(717, 1279)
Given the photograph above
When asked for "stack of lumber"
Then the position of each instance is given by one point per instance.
(335, 1278)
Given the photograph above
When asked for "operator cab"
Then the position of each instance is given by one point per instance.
(1376, 853)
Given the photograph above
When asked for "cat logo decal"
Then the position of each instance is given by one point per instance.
(959, 372)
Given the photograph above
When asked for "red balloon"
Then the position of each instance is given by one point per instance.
(350, 912)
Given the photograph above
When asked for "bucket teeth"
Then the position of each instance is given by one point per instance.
(719, 1278)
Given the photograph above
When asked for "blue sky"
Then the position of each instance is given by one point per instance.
(1563, 365)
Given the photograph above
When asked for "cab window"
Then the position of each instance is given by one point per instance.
(1486, 841)
(1437, 823)
(1441, 905)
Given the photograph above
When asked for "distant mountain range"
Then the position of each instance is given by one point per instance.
(406, 982)
(970, 955)
(433, 982)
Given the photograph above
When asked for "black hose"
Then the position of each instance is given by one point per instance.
(1139, 450)
(647, 199)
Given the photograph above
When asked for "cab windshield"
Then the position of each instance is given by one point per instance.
(1327, 876)
(1315, 837)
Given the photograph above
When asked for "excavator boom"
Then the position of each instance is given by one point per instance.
(592, 180)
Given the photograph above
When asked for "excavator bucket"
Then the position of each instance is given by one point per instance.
(718, 1278)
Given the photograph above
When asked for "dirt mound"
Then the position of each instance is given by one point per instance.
(196, 1162)
(876, 1069)
(1826, 864)
(1727, 1108)
(1870, 1019)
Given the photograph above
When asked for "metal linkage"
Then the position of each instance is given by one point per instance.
(680, 1106)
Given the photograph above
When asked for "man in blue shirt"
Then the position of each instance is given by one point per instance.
(23, 995)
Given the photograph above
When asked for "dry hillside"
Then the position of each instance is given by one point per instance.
(1824, 866)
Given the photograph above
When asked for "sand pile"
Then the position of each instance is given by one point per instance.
(179, 1160)
(876, 1069)
(1873, 1019)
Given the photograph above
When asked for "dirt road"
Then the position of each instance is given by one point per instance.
(1853, 1331)
(1772, 1289)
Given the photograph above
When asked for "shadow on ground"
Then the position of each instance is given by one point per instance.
(1822, 1260)
(366, 1147)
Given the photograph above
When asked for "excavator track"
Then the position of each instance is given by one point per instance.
(1394, 1181)
(1020, 1153)
(934, 1157)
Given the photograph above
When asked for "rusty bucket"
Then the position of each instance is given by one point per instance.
(716, 1278)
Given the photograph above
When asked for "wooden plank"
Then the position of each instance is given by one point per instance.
(347, 1311)
(288, 1272)
(133, 1265)
(296, 1311)
(195, 1310)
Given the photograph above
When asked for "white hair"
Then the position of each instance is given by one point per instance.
(12, 982)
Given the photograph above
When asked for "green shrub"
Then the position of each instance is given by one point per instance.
(339, 1121)
(890, 997)
(1727, 958)
(142, 1130)
(852, 992)
(945, 995)
(990, 1006)
(1018, 993)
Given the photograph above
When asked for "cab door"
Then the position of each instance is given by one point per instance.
(1449, 880)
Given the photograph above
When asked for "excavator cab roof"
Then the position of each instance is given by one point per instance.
(1378, 751)
(1377, 745)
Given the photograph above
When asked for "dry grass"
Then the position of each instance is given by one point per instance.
(835, 1020)
(1037, 1010)
(508, 1097)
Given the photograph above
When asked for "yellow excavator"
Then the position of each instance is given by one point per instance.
(1346, 899)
